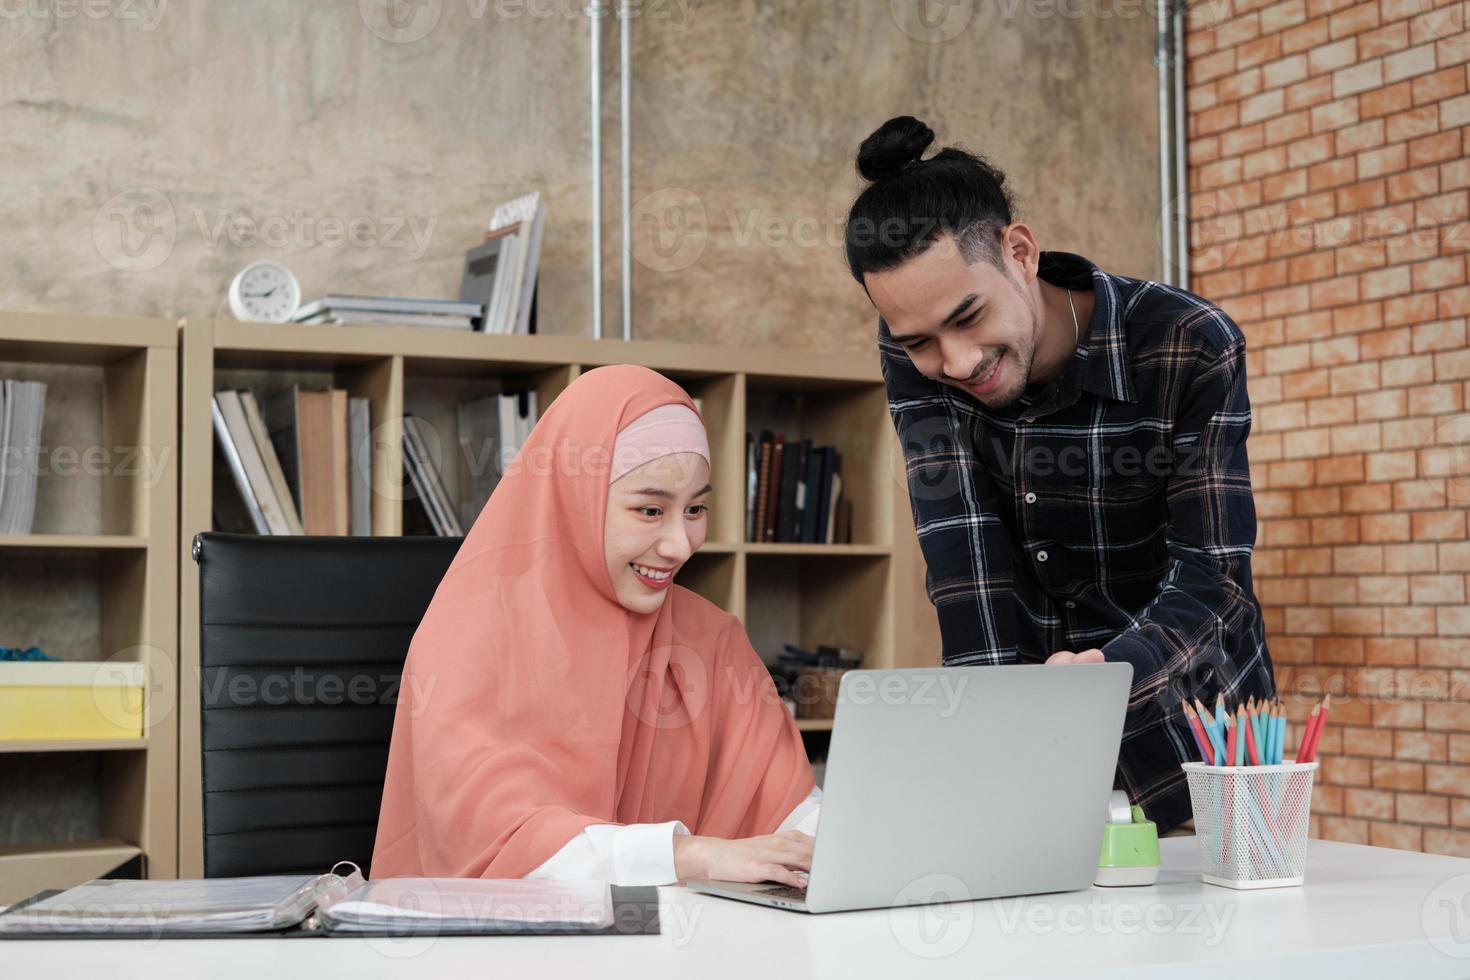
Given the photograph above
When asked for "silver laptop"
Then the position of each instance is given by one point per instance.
(956, 783)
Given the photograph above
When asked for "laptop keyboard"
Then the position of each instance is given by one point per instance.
(784, 891)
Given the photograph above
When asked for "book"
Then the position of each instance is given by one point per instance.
(340, 463)
(225, 444)
(834, 494)
(793, 469)
(763, 484)
(830, 464)
(261, 437)
(299, 422)
(811, 487)
(773, 508)
(330, 904)
(500, 295)
(368, 318)
(531, 270)
(519, 223)
(238, 443)
(360, 455)
(22, 408)
(752, 480)
(426, 481)
(333, 302)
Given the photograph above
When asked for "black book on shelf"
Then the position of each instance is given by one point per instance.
(829, 466)
(793, 491)
(763, 485)
(813, 479)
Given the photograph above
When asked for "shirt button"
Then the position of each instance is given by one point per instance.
(1071, 604)
(1041, 556)
(1029, 419)
(1030, 498)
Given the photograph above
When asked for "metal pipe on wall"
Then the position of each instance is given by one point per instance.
(1166, 158)
(625, 123)
(594, 18)
(1181, 135)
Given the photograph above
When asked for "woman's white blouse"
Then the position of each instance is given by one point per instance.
(643, 853)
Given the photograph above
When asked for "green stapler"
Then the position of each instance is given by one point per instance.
(1130, 846)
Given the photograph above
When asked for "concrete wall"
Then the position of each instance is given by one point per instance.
(150, 148)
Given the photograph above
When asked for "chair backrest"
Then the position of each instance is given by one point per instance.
(301, 649)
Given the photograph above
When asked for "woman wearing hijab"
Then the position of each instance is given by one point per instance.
(566, 709)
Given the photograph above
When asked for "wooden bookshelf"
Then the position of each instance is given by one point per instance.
(867, 595)
(97, 580)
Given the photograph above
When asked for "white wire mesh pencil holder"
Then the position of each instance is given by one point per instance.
(1251, 822)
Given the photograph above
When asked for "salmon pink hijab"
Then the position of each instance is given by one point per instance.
(534, 705)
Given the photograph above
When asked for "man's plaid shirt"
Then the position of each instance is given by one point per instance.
(1109, 508)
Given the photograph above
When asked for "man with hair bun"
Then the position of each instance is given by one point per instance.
(1075, 442)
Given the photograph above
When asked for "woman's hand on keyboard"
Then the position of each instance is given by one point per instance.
(785, 857)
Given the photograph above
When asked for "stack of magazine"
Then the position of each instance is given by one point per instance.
(501, 272)
(491, 433)
(392, 311)
(22, 404)
(328, 904)
(300, 461)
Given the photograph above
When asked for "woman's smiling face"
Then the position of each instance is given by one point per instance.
(656, 519)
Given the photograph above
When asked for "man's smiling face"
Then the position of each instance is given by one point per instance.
(965, 324)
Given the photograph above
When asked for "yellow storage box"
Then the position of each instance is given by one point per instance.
(44, 700)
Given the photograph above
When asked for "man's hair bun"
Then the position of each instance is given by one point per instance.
(894, 145)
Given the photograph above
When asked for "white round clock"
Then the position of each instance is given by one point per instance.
(265, 292)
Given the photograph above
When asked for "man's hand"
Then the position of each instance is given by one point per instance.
(783, 857)
(1093, 656)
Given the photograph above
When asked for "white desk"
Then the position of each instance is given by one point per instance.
(1364, 912)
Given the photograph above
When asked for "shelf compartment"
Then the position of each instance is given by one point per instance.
(96, 461)
(434, 398)
(28, 868)
(717, 577)
(816, 600)
(823, 411)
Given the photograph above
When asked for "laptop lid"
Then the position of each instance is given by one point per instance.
(953, 783)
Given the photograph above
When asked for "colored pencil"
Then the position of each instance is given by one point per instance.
(1317, 733)
(1230, 738)
(1282, 726)
(1301, 752)
(1248, 726)
(1206, 750)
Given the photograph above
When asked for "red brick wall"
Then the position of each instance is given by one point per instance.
(1328, 176)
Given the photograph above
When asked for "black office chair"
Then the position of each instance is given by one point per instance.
(301, 648)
